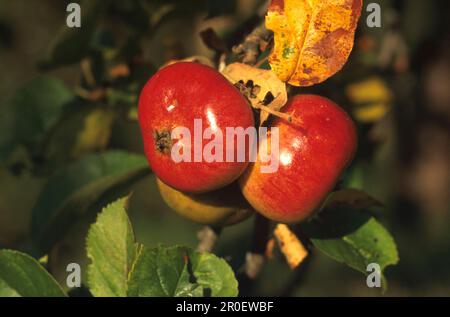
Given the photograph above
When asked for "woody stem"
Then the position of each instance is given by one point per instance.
(285, 116)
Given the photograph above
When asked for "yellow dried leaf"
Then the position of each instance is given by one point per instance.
(369, 90)
(290, 245)
(263, 87)
(313, 38)
(372, 98)
(371, 113)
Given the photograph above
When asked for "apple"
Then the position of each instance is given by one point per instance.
(183, 96)
(314, 149)
(223, 207)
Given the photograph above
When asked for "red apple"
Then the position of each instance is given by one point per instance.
(314, 149)
(183, 95)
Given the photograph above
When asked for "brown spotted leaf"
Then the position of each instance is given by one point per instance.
(262, 87)
(313, 38)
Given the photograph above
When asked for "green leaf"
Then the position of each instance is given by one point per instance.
(120, 267)
(213, 273)
(84, 129)
(21, 275)
(161, 272)
(31, 113)
(72, 44)
(69, 192)
(371, 243)
(111, 248)
(6, 290)
(345, 231)
(180, 271)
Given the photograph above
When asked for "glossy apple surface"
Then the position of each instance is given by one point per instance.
(175, 96)
(314, 149)
(223, 207)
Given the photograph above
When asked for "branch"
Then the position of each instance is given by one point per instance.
(255, 258)
(253, 45)
(298, 278)
(208, 237)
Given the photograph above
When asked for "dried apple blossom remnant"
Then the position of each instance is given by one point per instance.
(261, 87)
(313, 38)
(290, 245)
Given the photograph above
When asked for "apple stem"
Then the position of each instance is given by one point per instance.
(286, 116)
(261, 61)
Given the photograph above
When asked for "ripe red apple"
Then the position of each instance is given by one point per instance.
(314, 149)
(174, 97)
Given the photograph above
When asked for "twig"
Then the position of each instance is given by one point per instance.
(83, 93)
(261, 61)
(222, 62)
(250, 49)
(260, 234)
(299, 277)
(213, 41)
(93, 95)
(86, 69)
(285, 116)
(208, 237)
(255, 258)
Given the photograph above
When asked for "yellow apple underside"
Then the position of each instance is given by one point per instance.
(219, 208)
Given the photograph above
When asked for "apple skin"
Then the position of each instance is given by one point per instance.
(223, 207)
(175, 96)
(314, 149)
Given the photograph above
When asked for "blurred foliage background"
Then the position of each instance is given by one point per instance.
(69, 139)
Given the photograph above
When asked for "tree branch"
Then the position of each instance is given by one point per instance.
(253, 45)
(255, 258)
(208, 237)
